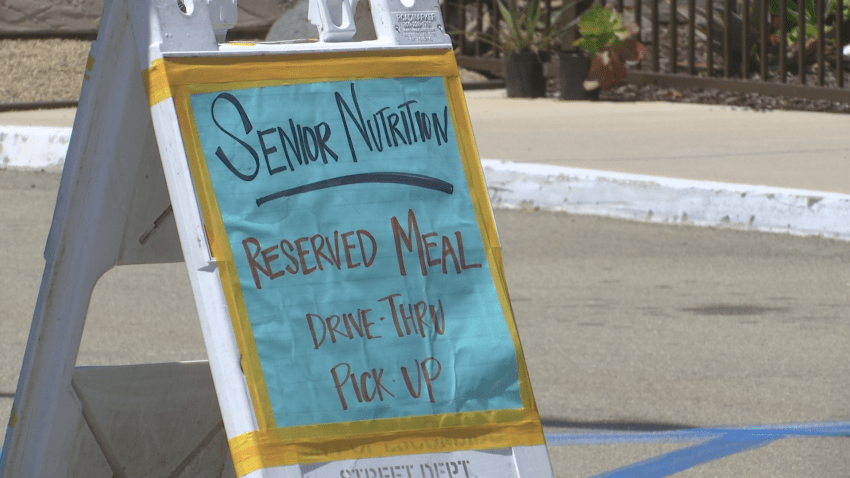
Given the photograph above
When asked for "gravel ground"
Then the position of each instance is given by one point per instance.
(42, 70)
(52, 69)
(758, 102)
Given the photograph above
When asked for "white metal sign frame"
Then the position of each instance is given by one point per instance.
(126, 197)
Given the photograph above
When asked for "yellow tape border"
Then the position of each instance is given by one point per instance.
(207, 74)
(282, 447)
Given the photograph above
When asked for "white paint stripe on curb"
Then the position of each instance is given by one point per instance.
(33, 147)
(516, 185)
(666, 200)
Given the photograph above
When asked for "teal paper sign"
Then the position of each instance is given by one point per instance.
(358, 250)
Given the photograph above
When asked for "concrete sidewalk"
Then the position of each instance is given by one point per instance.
(659, 162)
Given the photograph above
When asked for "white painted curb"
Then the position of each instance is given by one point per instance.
(33, 147)
(665, 200)
(515, 185)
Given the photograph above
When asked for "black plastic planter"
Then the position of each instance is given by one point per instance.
(524, 75)
(574, 67)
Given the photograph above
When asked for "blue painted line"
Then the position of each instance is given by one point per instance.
(698, 434)
(678, 436)
(679, 460)
(715, 443)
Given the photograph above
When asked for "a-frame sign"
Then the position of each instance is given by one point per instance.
(333, 218)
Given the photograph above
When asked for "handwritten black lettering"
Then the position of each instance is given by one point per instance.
(387, 126)
(305, 143)
(247, 126)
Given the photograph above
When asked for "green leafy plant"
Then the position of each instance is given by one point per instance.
(605, 38)
(811, 18)
(523, 28)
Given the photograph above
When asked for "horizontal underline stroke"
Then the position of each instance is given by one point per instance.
(410, 179)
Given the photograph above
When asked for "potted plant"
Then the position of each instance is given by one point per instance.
(605, 39)
(525, 44)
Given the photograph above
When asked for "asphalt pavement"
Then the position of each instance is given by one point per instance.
(631, 329)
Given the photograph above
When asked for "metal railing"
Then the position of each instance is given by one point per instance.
(737, 45)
